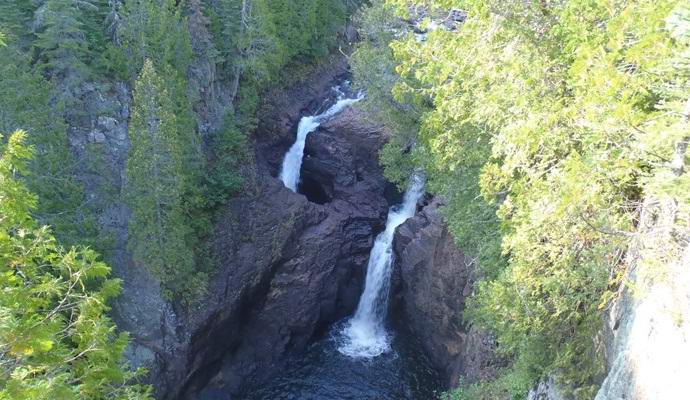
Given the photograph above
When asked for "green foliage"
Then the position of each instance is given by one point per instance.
(296, 27)
(512, 383)
(544, 124)
(25, 102)
(229, 152)
(173, 213)
(161, 235)
(258, 39)
(14, 16)
(56, 341)
(157, 31)
(373, 68)
(62, 42)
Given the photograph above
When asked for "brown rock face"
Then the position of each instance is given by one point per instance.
(434, 279)
(288, 264)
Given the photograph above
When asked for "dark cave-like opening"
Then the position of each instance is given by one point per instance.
(314, 191)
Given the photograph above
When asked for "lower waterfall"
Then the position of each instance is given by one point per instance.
(365, 333)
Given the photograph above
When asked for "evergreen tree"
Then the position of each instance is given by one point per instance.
(155, 30)
(14, 17)
(545, 124)
(25, 102)
(159, 231)
(55, 337)
(63, 44)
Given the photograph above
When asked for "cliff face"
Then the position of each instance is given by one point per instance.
(288, 264)
(434, 278)
(647, 329)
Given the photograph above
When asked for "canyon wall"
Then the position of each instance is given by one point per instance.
(434, 279)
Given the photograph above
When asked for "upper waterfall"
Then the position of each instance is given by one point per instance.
(365, 334)
(292, 163)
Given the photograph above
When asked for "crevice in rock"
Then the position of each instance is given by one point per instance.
(315, 191)
(231, 329)
(287, 268)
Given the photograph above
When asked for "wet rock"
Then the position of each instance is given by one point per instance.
(307, 258)
(287, 268)
(286, 107)
(433, 280)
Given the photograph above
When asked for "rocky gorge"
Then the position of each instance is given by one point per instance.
(290, 264)
(532, 242)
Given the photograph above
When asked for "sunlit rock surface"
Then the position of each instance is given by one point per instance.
(648, 329)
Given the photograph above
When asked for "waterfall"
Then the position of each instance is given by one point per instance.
(292, 163)
(365, 334)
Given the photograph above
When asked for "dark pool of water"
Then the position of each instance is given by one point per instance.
(322, 373)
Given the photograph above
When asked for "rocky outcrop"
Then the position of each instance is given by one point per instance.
(285, 108)
(648, 326)
(300, 265)
(215, 94)
(433, 280)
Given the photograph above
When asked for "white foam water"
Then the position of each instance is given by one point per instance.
(365, 335)
(292, 163)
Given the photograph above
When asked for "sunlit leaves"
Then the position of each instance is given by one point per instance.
(56, 339)
(563, 114)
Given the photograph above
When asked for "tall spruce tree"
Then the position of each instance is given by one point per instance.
(156, 176)
(157, 31)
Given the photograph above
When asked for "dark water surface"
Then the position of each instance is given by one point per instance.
(322, 373)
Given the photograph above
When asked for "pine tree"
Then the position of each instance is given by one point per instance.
(55, 337)
(25, 102)
(156, 177)
(63, 42)
(155, 30)
(14, 17)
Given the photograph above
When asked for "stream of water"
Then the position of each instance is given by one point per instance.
(360, 358)
(365, 335)
(292, 163)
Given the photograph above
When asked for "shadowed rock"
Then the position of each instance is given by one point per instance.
(433, 280)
